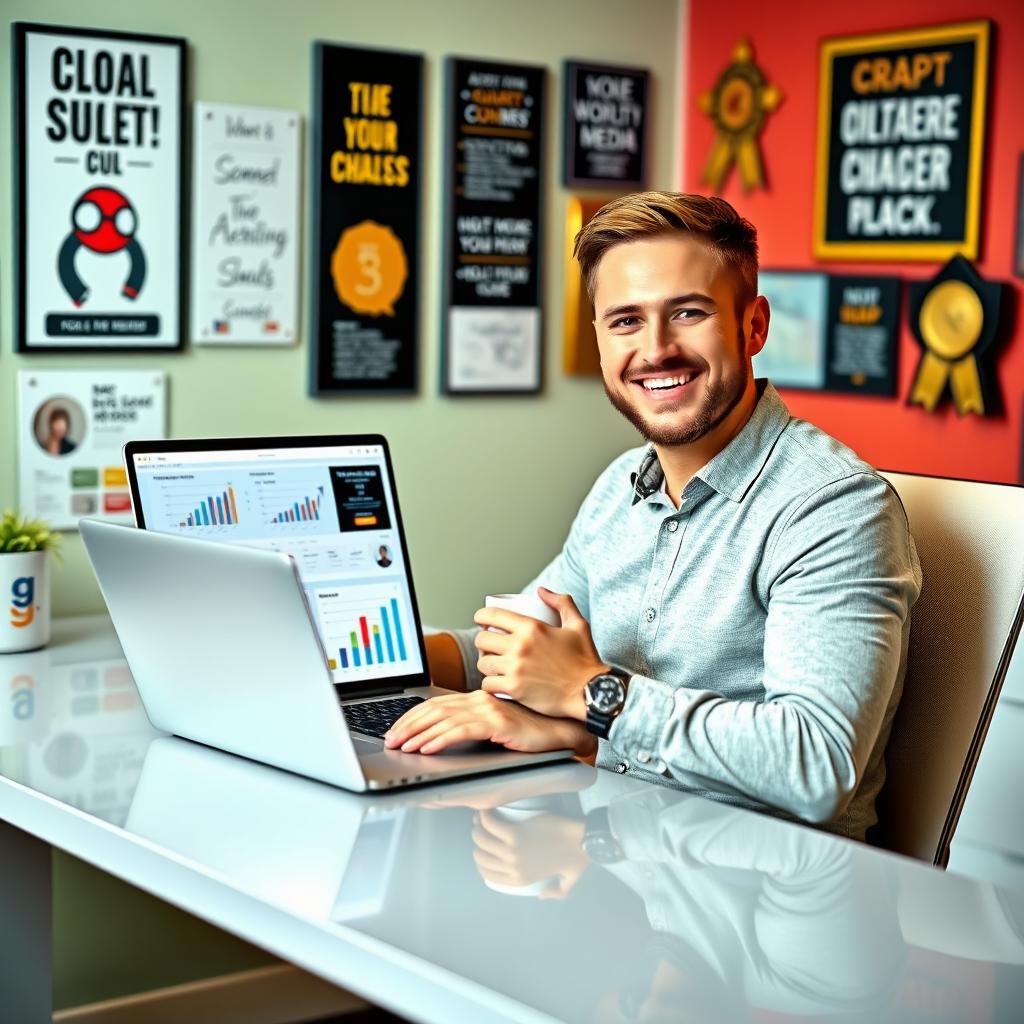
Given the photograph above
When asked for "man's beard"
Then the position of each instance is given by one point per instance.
(718, 401)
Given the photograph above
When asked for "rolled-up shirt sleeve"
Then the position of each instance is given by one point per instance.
(841, 578)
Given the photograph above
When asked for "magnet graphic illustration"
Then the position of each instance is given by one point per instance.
(104, 221)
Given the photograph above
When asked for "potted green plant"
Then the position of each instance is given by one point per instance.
(25, 548)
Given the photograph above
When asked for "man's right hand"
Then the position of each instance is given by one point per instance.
(442, 722)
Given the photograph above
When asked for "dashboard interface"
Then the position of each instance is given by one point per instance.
(332, 509)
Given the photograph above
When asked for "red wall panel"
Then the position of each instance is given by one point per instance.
(785, 35)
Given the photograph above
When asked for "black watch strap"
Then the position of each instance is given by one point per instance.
(599, 722)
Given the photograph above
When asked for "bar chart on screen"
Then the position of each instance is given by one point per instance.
(207, 504)
(366, 627)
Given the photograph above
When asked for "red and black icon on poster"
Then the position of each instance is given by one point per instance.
(104, 222)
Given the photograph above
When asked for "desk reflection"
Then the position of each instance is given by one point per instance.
(73, 726)
(672, 908)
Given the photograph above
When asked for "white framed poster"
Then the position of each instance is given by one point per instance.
(794, 356)
(72, 425)
(97, 196)
(245, 225)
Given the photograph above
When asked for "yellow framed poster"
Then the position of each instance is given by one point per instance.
(901, 134)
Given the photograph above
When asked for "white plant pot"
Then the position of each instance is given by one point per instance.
(24, 601)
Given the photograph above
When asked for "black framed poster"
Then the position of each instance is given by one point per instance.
(493, 160)
(605, 129)
(863, 334)
(98, 212)
(901, 138)
(367, 129)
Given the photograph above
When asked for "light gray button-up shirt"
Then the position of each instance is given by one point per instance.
(766, 620)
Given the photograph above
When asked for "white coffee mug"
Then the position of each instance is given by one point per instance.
(523, 604)
(24, 600)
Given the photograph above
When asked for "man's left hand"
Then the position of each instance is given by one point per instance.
(542, 667)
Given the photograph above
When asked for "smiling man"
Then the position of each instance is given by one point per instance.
(735, 596)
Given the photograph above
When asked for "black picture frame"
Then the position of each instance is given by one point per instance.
(450, 173)
(570, 70)
(318, 385)
(20, 32)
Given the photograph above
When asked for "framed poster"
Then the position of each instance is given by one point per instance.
(794, 356)
(366, 174)
(605, 126)
(245, 225)
(72, 425)
(98, 172)
(493, 165)
(863, 335)
(901, 136)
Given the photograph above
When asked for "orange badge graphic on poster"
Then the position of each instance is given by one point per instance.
(369, 268)
(738, 104)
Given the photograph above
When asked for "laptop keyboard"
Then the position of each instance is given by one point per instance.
(375, 717)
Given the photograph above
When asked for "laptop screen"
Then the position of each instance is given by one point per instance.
(332, 508)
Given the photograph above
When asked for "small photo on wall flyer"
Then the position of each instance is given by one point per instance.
(72, 425)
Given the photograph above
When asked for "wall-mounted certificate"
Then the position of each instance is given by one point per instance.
(605, 127)
(97, 193)
(367, 111)
(863, 334)
(72, 425)
(901, 140)
(245, 224)
(493, 159)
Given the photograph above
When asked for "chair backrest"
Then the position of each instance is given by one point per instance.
(970, 539)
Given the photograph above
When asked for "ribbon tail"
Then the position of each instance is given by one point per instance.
(748, 162)
(719, 160)
(966, 386)
(930, 382)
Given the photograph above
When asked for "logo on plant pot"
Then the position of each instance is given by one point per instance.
(23, 596)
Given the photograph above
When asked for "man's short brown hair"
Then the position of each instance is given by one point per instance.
(732, 238)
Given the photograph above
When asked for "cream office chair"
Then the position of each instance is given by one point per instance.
(970, 538)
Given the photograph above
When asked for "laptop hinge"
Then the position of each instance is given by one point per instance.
(378, 691)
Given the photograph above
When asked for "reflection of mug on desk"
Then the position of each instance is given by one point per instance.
(520, 812)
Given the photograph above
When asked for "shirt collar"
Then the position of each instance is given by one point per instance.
(732, 471)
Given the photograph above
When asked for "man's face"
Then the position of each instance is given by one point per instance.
(675, 351)
(59, 426)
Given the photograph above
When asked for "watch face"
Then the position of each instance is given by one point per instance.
(605, 694)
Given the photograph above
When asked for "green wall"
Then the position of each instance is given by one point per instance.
(488, 485)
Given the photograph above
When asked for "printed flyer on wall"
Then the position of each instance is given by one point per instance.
(72, 425)
(245, 224)
(98, 172)
(494, 148)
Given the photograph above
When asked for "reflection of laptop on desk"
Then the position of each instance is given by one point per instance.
(223, 647)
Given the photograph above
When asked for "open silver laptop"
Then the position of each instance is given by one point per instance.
(267, 605)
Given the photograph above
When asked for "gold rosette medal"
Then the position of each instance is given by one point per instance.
(738, 105)
(954, 317)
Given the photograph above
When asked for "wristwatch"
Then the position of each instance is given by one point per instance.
(599, 842)
(604, 696)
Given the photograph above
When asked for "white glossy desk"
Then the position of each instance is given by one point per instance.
(475, 901)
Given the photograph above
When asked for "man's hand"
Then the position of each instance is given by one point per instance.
(547, 846)
(455, 718)
(543, 667)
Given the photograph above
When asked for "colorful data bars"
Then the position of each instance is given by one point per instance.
(374, 644)
(215, 511)
(307, 511)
